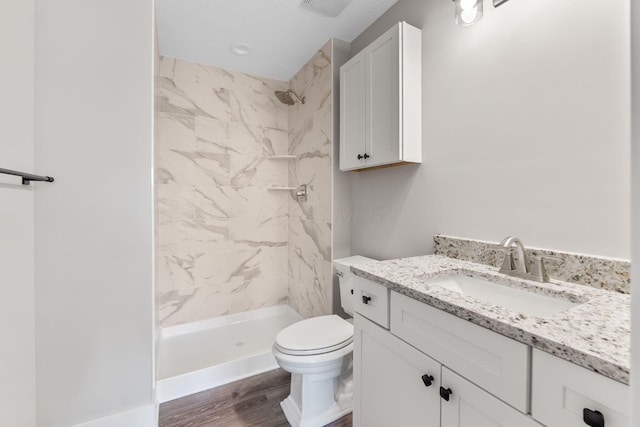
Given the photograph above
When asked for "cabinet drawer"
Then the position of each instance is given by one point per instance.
(562, 390)
(496, 363)
(372, 301)
(470, 406)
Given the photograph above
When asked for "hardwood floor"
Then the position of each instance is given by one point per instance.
(252, 402)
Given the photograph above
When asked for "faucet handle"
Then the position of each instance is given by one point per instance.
(508, 264)
(539, 271)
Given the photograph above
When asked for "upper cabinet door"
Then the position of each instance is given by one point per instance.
(352, 113)
(384, 138)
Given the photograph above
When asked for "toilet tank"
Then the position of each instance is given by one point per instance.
(346, 278)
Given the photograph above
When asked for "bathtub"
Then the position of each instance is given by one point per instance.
(198, 356)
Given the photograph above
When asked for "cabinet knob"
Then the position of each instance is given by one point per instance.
(445, 393)
(427, 380)
(366, 299)
(360, 157)
(351, 291)
(366, 156)
(592, 418)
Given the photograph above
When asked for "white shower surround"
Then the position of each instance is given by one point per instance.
(226, 244)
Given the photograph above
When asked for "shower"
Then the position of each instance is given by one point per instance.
(286, 98)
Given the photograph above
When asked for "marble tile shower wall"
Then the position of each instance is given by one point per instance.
(311, 141)
(222, 235)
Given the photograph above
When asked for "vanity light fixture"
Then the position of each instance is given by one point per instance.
(468, 12)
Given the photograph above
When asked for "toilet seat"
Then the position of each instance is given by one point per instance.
(317, 335)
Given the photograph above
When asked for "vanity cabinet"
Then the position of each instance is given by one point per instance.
(380, 102)
(397, 385)
(415, 365)
(562, 392)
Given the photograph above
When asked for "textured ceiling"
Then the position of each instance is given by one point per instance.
(283, 35)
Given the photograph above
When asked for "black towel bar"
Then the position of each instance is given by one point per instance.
(27, 177)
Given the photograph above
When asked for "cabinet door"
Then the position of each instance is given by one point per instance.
(352, 113)
(383, 108)
(388, 375)
(562, 391)
(470, 406)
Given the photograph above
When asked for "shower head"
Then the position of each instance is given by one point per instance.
(286, 98)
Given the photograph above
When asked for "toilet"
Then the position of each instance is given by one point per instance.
(318, 352)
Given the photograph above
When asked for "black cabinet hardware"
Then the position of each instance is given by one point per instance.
(366, 299)
(366, 156)
(351, 291)
(360, 157)
(445, 393)
(592, 418)
(427, 380)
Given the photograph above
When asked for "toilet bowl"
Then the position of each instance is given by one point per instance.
(318, 352)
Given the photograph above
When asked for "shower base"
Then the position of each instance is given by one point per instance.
(206, 354)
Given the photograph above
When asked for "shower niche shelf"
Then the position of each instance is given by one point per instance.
(282, 157)
(281, 188)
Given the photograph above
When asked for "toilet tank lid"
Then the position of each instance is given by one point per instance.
(345, 263)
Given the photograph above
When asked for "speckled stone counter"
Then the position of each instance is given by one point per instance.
(594, 334)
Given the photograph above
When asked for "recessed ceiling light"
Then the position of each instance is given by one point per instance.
(240, 49)
(331, 8)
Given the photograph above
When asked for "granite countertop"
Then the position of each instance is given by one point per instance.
(594, 334)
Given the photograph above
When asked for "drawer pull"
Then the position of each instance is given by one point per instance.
(445, 393)
(366, 299)
(427, 380)
(592, 418)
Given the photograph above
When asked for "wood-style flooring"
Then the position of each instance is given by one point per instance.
(252, 402)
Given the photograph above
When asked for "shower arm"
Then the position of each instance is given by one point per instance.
(301, 99)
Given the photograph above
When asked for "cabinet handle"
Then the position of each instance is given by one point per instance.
(366, 299)
(592, 418)
(360, 157)
(427, 380)
(351, 291)
(445, 393)
(366, 156)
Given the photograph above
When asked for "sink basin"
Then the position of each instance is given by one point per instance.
(517, 300)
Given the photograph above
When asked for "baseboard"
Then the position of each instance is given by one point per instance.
(143, 416)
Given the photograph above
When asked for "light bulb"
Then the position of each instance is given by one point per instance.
(468, 4)
(468, 12)
(468, 16)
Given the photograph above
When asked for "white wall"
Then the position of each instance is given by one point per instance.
(635, 225)
(93, 226)
(525, 132)
(17, 364)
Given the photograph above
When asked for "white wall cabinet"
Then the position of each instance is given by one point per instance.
(380, 102)
(476, 377)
